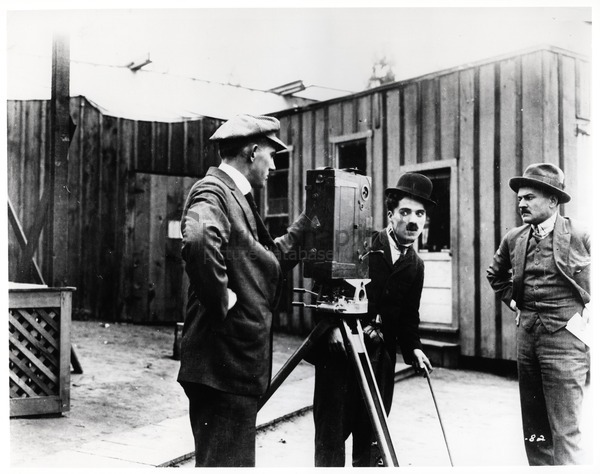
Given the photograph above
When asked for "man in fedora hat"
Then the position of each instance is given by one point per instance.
(542, 272)
(394, 294)
(235, 274)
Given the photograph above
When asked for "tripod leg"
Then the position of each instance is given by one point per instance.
(295, 359)
(370, 392)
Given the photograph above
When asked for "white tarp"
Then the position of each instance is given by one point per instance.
(152, 96)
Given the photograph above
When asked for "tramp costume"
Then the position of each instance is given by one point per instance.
(394, 293)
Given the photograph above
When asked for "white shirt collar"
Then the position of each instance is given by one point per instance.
(395, 249)
(238, 178)
(544, 228)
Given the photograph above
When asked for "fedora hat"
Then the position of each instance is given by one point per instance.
(416, 186)
(543, 176)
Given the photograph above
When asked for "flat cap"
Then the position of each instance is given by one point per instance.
(245, 125)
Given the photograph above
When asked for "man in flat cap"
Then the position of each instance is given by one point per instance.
(542, 272)
(394, 294)
(235, 273)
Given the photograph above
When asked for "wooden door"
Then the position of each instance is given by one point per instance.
(435, 250)
(159, 284)
(436, 246)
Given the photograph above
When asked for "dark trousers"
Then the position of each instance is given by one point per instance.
(552, 373)
(339, 409)
(224, 426)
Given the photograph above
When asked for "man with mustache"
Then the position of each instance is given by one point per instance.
(394, 294)
(541, 271)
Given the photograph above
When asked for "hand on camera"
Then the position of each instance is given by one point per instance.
(372, 333)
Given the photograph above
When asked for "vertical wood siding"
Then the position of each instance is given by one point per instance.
(466, 254)
(494, 118)
(509, 161)
(378, 152)
(106, 208)
(159, 287)
(27, 136)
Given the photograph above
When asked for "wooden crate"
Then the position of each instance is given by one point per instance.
(39, 321)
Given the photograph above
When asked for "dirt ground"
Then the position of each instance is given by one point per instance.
(481, 417)
(128, 381)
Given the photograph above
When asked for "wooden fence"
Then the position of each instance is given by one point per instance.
(106, 155)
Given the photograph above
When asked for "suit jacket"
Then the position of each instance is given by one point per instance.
(230, 350)
(394, 292)
(572, 254)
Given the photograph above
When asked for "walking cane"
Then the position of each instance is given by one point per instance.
(438, 414)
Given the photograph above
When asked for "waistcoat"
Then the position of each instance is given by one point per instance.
(547, 295)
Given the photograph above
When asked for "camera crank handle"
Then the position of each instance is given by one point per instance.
(304, 290)
(304, 305)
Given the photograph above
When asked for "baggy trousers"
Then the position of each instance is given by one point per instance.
(552, 372)
(339, 409)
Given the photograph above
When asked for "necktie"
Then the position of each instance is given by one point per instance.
(394, 239)
(402, 249)
(263, 234)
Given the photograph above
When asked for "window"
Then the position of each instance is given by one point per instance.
(353, 155)
(277, 204)
(436, 235)
(351, 151)
(277, 212)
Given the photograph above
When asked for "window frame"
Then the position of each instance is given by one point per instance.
(336, 142)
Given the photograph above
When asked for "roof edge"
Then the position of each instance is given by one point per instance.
(442, 72)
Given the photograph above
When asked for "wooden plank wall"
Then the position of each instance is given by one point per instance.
(157, 289)
(27, 135)
(105, 154)
(494, 118)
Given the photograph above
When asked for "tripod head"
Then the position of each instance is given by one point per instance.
(334, 302)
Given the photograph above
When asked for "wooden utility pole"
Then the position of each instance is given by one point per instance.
(60, 119)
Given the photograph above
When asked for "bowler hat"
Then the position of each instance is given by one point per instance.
(245, 125)
(543, 176)
(416, 186)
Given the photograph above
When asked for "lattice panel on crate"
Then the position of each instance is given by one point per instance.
(34, 352)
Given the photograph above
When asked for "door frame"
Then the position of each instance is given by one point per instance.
(452, 165)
